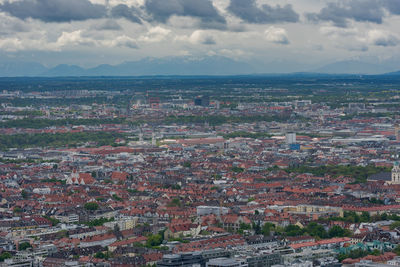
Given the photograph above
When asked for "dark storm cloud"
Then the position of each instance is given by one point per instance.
(109, 25)
(123, 11)
(54, 10)
(393, 6)
(209, 40)
(248, 11)
(162, 10)
(339, 13)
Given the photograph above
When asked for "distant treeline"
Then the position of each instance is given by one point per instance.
(220, 119)
(43, 123)
(57, 140)
(23, 113)
(246, 135)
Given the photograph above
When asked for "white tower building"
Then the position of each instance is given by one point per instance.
(396, 173)
(290, 138)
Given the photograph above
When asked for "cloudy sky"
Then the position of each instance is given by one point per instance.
(291, 33)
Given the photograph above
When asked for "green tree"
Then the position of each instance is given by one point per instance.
(5, 255)
(117, 198)
(316, 230)
(176, 202)
(154, 240)
(24, 194)
(365, 217)
(91, 206)
(237, 169)
(257, 228)
(17, 209)
(293, 230)
(266, 228)
(98, 222)
(53, 221)
(24, 246)
(397, 250)
(337, 231)
(395, 225)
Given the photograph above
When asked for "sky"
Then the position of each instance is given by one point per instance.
(292, 34)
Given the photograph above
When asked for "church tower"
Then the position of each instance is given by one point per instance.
(396, 173)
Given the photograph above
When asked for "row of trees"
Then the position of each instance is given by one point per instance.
(57, 140)
(244, 134)
(359, 173)
(220, 119)
(313, 229)
(316, 230)
(353, 217)
(44, 123)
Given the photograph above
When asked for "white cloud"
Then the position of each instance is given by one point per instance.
(155, 35)
(382, 38)
(277, 35)
(335, 32)
(234, 53)
(11, 44)
(74, 38)
(77, 38)
(124, 41)
(201, 37)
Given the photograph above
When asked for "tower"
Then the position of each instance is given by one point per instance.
(141, 136)
(397, 132)
(290, 138)
(153, 139)
(396, 173)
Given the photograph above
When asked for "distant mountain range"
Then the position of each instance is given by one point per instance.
(144, 67)
(353, 67)
(178, 66)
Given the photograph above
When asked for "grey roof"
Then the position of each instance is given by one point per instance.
(382, 176)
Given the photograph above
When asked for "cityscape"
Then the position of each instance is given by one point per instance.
(264, 171)
(199, 133)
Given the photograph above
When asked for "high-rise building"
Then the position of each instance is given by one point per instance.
(397, 132)
(217, 104)
(203, 101)
(290, 138)
(153, 139)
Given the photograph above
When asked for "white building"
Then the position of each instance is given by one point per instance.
(395, 174)
(290, 138)
(227, 262)
(207, 210)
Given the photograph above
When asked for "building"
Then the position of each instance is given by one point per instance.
(290, 138)
(80, 178)
(264, 260)
(154, 102)
(227, 262)
(394, 262)
(395, 174)
(368, 263)
(123, 224)
(203, 101)
(207, 210)
(183, 260)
